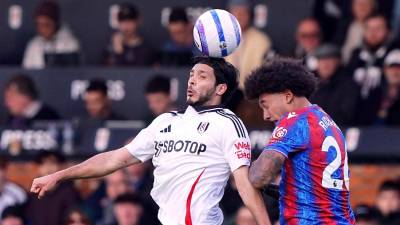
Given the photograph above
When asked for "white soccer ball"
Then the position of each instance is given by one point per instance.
(217, 33)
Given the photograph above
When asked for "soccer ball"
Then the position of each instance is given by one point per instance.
(217, 33)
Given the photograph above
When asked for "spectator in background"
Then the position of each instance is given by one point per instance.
(179, 49)
(53, 208)
(308, 39)
(254, 44)
(128, 48)
(117, 184)
(350, 32)
(77, 217)
(366, 215)
(388, 200)
(52, 39)
(383, 108)
(23, 105)
(13, 215)
(367, 61)
(11, 193)
(128, 210)
(336, 93)
(158, 96)
(97, 102)
(329, 13)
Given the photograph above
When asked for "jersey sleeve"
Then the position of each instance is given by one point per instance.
(290, 135)
(142, 146)
(236, 144)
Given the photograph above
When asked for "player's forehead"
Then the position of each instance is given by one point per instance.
(200, 67)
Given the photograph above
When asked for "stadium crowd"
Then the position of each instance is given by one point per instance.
(353, 48)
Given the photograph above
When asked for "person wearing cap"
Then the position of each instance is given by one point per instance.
(254, 44)
(127, 47)
(52, 38)
(382, 107)
(336, 93)
(389, 110)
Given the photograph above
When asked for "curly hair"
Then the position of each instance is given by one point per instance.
(278, 75)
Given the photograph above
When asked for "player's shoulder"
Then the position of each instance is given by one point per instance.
(225, 118)
(168, 116)
(295, 119)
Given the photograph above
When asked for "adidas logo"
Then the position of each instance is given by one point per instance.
(166, 130)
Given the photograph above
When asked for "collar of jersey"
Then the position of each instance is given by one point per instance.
(202, 109)
(299, 111)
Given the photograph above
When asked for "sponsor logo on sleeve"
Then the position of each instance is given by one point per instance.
(279, 133)
(243, 150)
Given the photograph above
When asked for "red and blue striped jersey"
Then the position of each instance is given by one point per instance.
(315, 176)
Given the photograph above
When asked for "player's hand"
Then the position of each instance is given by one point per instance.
(118, 43)
(42, 185)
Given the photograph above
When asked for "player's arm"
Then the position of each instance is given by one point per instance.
(266, 168)
(96, 166)
(251, 197)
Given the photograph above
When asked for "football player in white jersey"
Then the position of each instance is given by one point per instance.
(193, 152)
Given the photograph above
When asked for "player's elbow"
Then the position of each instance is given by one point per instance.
(256, 182)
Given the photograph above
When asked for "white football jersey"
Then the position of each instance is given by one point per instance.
(193, 153)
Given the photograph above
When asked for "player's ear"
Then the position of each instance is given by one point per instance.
(221, 89)
(289, 96)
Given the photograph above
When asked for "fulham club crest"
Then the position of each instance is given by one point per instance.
(203, 126)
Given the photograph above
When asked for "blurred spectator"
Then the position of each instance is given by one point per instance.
(367, 61)
(329, 13)
(23, 105)
(254, 44)
(350, 32)
(366, 215)
(98, 105)
(77, 217)
(54, 43)
(382, 106)
(117, 184)
(13, 215)
(308, 38)
(388, 198)
(158, 96)
(128, 48)
(128, 210)
(244, 217)
(180, 48)
(53, 208)
(337, 94)
(11, 193)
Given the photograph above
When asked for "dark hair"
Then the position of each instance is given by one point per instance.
(278, 75)
(159, 83)
(380, 16)
(390, 185)
(127, 11)
(49, 9)
(3, 162)
(178, 14)
(128, 198)
(43, 155)
(24, 85)
(98, 85)
(85, 217)
(225, 73)
(14, 211)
